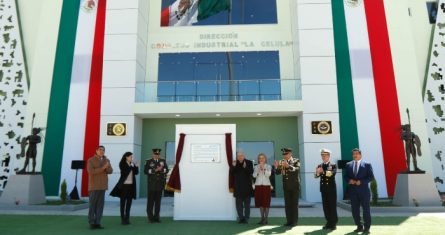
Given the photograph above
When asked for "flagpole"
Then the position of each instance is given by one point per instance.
(232, 86)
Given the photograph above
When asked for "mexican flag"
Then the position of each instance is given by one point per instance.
(188, 12)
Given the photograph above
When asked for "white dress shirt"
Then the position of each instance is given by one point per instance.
(358, 166)
(129, 179)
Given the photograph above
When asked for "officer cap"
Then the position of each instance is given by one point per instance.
(286, 150)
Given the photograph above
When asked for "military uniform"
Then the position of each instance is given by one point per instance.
(291, 187)
(328, 191)
(156, 184)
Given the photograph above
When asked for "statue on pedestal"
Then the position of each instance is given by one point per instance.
(31, 153)
(412, 146)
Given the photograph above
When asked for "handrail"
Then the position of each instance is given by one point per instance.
(218, 90)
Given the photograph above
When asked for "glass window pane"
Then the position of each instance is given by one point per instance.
(241, 12)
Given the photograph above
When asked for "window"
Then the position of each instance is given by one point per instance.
(252, 148)
(216, 76)
(220, 12)
(432, 11)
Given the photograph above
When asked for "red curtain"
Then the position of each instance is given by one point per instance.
(174, 183)
(229, 152)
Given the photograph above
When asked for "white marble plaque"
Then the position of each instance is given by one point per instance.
(205, 153)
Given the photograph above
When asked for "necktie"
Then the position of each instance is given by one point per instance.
(355, 168)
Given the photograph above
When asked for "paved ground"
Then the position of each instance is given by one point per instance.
(139, 207)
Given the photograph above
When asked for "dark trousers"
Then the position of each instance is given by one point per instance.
(243, 207)
(126, 199)
(291, 198)
(154, 201)
(329, 199)
(96, 204)
(360, 198)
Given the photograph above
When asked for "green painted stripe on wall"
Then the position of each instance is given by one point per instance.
(348, 121)
(58, 103)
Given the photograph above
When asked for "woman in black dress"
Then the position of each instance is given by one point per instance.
(125, 188)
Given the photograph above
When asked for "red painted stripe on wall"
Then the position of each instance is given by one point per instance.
(92, 127)
(386, 92)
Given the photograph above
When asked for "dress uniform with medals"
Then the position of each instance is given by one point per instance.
(289, 168)
(326, 172)
(156, 169)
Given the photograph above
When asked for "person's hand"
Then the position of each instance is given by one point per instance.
(262, 166)
(135, 163)
(285, 164)
(105, 166)
(234, 163)
(351, 181)
(319, 170)
(358, 182)
(275, 164)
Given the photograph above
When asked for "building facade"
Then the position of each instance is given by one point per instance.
(279, 70)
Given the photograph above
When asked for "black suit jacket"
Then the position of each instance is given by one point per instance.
(242, 179)
(365, 175)
(125, 171)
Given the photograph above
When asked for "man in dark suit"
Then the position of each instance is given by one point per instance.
(242, 170)
(358, 175)
(156, 169)
(289, 168)
(326, 172)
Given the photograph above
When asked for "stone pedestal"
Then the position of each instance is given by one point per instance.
(416, 190)
(24, 189)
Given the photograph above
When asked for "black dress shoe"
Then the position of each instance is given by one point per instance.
(332, 227)
(98, 226)
(92, 226)
(366, 231)
(290, 224)
(358, 230)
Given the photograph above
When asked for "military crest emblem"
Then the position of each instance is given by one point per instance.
(88, 5)
(353, 3)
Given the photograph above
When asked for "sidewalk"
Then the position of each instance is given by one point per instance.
(139, 207)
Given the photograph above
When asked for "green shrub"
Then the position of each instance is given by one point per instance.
(63, 192)
(374, 192)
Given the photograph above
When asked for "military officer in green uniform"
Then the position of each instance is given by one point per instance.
(289, 168)
(326, 172)
(156, 169)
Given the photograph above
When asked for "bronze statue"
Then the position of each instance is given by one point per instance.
(412, 146)
(31, 153)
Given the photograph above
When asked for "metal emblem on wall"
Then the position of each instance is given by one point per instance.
(321, 127)
(116, 129)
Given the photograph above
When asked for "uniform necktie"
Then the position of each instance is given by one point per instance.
(355, 168)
